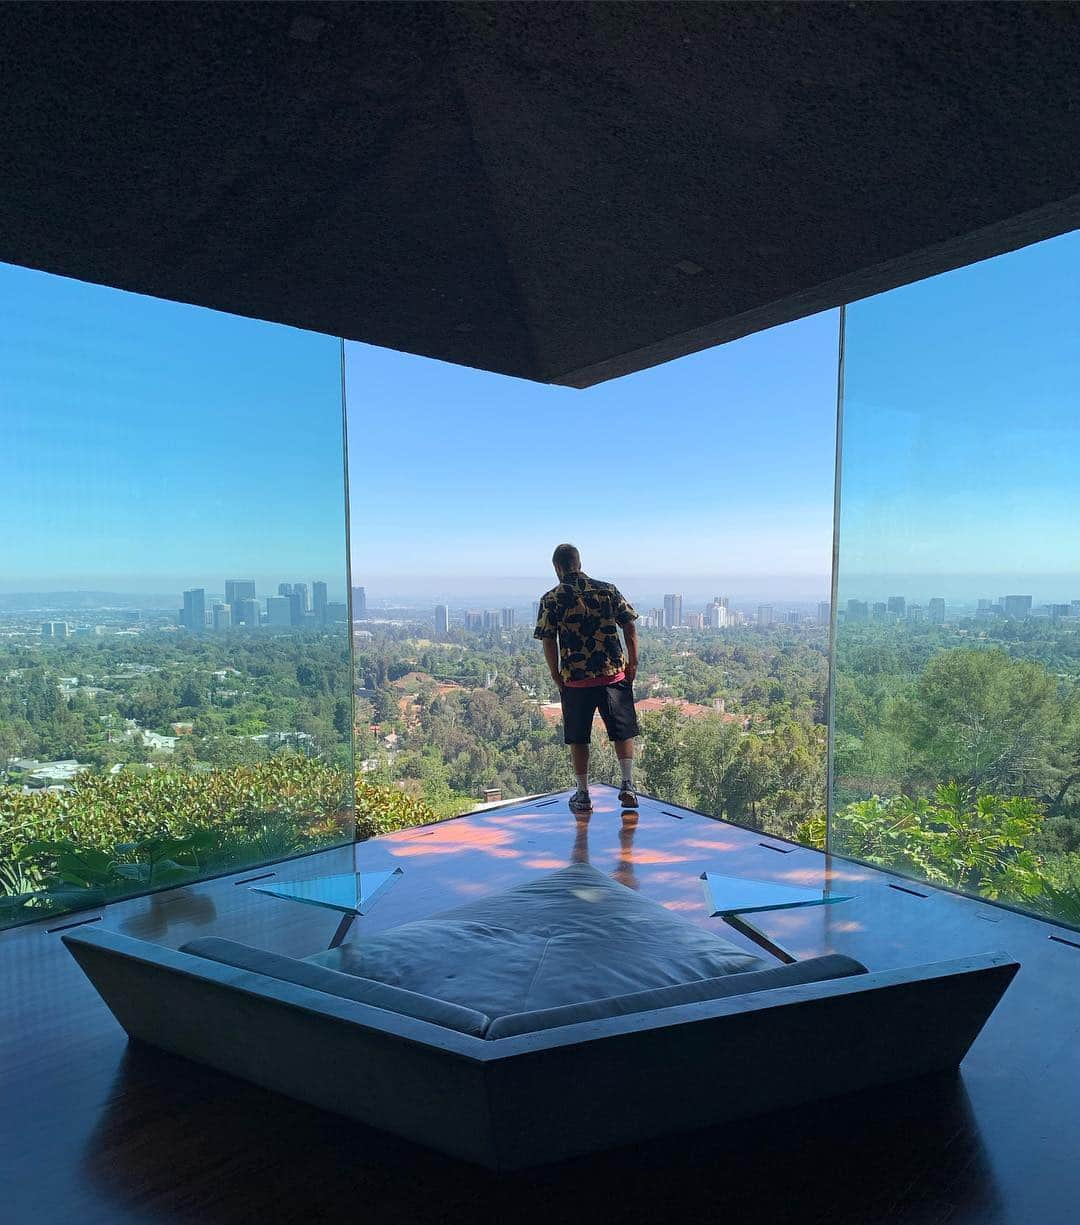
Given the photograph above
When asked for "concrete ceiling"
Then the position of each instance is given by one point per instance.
(564, 192)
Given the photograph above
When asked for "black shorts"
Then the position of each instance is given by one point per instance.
(615, 704)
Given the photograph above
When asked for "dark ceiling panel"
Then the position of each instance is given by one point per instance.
(563, 192)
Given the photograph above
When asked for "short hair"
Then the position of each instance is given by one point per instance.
(566, 558)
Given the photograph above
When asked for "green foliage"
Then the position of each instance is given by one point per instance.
(113, 834)
(977, 843)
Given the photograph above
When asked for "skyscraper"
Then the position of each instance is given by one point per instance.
(284, 588)
(297, 606)
(300, 589)
(193, 615)
(824, 611)
(491, 619)
(248, 613)
(318, 601)
(857, 610)
(657, 618)
(765, 614)
(474, 619)
(442, 619)
(672, 610)
(897, 605)
(722, 600)
(221, 616)
(937, 610)
(716, 615)
(1017, 607)
(237, 589)
(359, 603)
(279, 610)
(508, 618)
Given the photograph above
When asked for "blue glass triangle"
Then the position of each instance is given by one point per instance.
(350, 892)
(740, 895)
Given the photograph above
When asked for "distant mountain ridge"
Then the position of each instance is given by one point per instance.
(25, 601)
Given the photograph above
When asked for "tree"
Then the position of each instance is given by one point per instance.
(983, 719)
(661, 753)
(710, 748)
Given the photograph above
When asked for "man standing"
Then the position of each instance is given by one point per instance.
(585, 616)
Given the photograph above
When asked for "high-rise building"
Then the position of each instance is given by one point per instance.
(824, 612)
(278, 610)
(248, 613)
(55, 629)
(491, 619)
(657, 616)
(897, 605)
(915, 612)
(221, 616)
(509, 619)
(793, 617)
(1074, 608)
(237, 589)
(672, 610)
(722, 600)
(336, 611)
(442, 619)
(318, 601)
(193, 614)
(765, 614)
(301, 590)
(878, 610)
(474, 619)
(857, 610)
(694, 620)
(716, 615)
(297, 606)
(1017, 607)
(937, 610)
(284, 588)
(359, 603)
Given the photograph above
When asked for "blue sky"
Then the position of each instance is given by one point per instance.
(151, 446)
(962, 432)
(715, 468)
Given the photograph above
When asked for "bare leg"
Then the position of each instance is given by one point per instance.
(624, 751)
(579, 755)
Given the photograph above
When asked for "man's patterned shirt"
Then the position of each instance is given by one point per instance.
(585, 615)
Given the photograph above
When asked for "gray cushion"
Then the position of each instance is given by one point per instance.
(814, 969)
(569, 936)
(349, 987)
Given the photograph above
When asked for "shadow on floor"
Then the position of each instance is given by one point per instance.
(180, 1143)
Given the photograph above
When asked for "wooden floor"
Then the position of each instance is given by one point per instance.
(92, 1130)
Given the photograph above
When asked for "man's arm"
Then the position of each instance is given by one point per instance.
(551, 654)
(630, 634)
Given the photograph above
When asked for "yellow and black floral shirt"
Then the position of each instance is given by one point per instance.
(585, 615)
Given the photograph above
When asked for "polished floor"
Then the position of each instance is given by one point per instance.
(94, 1130)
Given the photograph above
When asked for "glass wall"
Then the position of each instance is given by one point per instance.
(703, 489)
(175, 684)
(957, 706)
